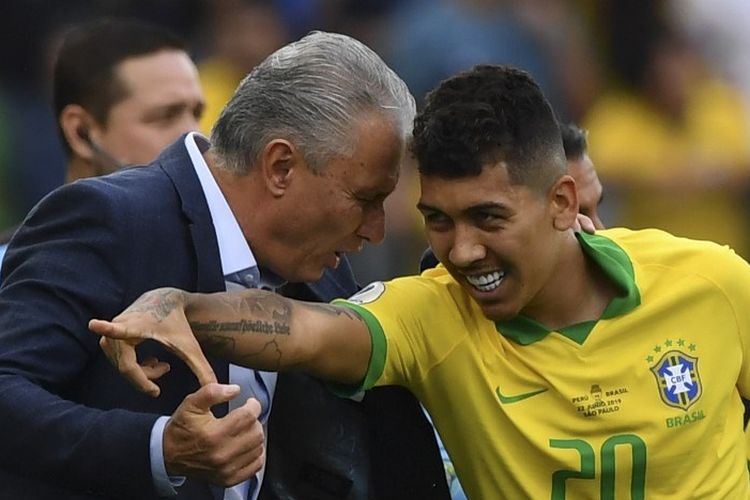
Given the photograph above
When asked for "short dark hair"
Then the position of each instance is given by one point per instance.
(488, 114)
(84, 71)
(574, 140)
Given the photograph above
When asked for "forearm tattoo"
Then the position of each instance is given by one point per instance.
(266, 315)
(253, 337)
(241, 326)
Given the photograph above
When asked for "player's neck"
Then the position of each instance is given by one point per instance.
(578, 291)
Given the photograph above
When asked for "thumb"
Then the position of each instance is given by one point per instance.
(209, 395)
(253, 406)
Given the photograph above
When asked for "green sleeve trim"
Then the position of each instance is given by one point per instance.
(377, 355)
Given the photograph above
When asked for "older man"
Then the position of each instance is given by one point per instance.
(295, 175)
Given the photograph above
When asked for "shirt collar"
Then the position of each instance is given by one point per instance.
(615, 263)
(234, 250)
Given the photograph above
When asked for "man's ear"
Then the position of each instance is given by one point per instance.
(279, 162)
(76, 124)
(563, 202)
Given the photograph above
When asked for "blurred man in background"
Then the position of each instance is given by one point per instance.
(581, 168)
(122, 91)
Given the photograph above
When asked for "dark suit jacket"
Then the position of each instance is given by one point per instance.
(70, 426)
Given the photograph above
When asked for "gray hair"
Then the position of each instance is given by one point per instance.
(311, 92)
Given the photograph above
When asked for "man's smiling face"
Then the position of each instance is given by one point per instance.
(496, 239)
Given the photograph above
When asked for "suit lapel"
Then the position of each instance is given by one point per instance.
(175, 161)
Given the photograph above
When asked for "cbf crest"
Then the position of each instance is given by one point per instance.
(678, 379)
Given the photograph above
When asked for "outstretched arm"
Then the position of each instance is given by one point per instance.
(252, 328)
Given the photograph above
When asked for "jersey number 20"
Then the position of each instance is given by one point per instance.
(588, 465)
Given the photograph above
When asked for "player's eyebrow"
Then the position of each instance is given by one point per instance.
(489, 205)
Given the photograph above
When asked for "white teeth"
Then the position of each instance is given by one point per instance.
(486, 282)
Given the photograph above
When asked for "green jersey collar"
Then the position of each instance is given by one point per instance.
(616, 265)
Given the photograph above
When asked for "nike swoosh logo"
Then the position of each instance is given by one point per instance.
(506, 400)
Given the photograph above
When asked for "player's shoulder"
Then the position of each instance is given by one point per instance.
(436, 281)
(428, 289)
(654, 247)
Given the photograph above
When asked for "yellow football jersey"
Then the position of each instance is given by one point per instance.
(643, 403)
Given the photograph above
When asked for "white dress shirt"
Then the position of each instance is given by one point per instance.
(236, 255)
